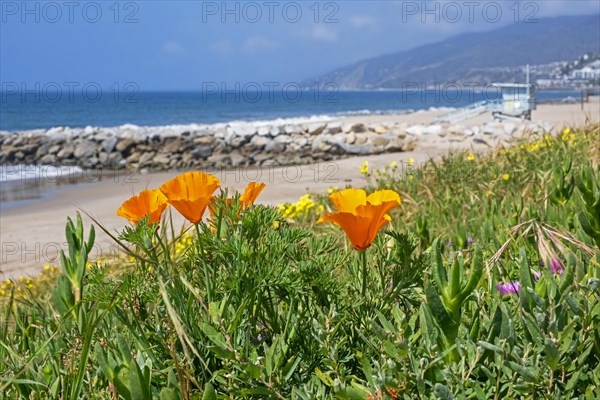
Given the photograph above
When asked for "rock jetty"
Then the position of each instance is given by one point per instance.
(236, 144)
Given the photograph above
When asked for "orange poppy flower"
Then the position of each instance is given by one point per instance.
(190, 193)
(148, 202)
(251, 194)
(361, 216)
(246, 200)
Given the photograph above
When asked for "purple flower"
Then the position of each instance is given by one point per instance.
(508, 288)
(259, 337)
(556, 266)
(469, 241)
(450, 244)
(536, 275)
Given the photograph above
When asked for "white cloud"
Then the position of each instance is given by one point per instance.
(173, 47)
(258, 43)
(222, 47)
(361, 21)
(323, 34)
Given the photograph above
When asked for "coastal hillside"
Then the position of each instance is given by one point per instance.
(482, 57)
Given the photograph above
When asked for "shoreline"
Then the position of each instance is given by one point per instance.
(32, 233)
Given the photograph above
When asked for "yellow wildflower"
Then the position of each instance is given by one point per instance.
(411, 160)
(365, 168)
(470, 157)
(505, 177)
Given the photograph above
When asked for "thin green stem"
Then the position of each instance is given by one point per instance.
(219, 221)
(363, 255)
(204, 265)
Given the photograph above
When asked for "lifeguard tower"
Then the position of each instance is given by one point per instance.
(518, 100)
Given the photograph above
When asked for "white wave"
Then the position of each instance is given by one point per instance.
(37, 173)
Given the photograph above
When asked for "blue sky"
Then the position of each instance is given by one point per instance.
(179, 45)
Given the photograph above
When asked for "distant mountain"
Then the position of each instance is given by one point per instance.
(481, 57)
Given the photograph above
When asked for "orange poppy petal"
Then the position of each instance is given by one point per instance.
(348, 199)
(383, 196)
(148, 202)
(251, 193)
(192, 210)
(190, 193)
(190, 186)
(357, 229)
(377, 214)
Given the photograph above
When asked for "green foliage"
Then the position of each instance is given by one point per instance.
(255, 305)
(588, 184)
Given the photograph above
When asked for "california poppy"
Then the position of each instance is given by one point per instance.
(251, 194)
(148, 202)
(361, 216)
(190, 193)
(246, 200)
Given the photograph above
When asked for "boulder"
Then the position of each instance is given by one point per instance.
(351, 138)
(320, 144)
(361, 138)
(66, 152)
(260, 141)
(109, 144)
(380, 140)
(201, 152)
(85, 149)
(173, 146)
(162, 159)
(275, 147)
(244, 130)
(432, 129)
(125, 145)
(354, 149)
(380, 129)
(146, 158)
(395, 144)
(219, 159)
(275, 130)
(334, 127)
(204, 140)
(315, 128)
(292, 129)
(48, 159)
(415, 130)
(263, 131)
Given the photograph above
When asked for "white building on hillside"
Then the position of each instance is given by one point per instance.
(590, 71)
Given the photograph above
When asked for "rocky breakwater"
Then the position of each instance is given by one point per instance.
(242, 144)
(189, 146)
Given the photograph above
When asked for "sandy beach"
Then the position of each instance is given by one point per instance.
(32, 232)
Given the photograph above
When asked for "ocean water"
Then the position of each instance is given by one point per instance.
(47, 109)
